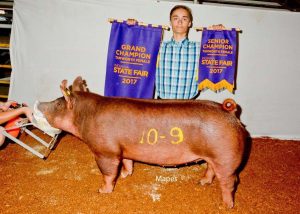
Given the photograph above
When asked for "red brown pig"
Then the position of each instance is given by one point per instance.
(163, 132)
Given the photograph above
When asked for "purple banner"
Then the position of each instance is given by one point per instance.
(217, 60)
(131, 60)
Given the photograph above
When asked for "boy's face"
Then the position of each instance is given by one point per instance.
(180, 21)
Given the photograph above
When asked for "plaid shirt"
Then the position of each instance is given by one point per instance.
(176, 73)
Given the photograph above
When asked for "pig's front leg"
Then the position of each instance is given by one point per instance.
(109, 168)
(127, 168)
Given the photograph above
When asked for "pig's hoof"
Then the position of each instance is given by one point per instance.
(204, 181)
(125, 174)
(105, 190)
(229, 204)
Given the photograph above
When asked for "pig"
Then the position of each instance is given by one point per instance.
(161, 132)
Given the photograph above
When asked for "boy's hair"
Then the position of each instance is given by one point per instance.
(182, 7)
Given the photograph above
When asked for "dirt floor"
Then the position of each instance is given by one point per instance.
(68, 180)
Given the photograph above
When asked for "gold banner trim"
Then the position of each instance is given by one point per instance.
(216, 87)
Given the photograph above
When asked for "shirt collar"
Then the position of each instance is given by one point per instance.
(184, 41)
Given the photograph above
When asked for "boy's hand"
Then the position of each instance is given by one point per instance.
(131, 21)
(217, 27)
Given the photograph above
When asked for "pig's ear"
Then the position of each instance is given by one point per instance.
(67, 93)
(79, 85)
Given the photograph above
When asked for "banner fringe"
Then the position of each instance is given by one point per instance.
(216, 87)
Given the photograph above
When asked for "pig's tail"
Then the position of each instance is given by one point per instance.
(229, 105)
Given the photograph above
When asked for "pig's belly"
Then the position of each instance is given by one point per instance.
(159, 155)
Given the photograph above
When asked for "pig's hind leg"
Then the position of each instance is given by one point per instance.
(127, 168)
(227, 178)
(109, 168)
(209, 175)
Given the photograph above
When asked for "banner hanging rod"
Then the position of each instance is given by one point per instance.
(165, 27)
(210, 28)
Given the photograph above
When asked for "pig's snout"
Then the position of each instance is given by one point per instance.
(40, 120)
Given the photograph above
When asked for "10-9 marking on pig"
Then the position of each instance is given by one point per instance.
(153, 135)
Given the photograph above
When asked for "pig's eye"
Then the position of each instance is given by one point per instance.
(58, 104)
